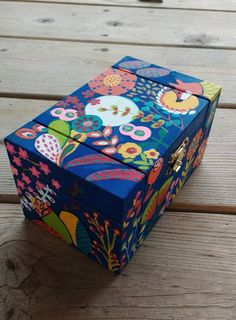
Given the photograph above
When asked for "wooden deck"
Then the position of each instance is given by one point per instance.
(186, 269)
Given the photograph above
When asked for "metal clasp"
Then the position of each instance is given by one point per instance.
(176, 158)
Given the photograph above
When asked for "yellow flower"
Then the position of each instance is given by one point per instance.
(151, 154)
(129, 150)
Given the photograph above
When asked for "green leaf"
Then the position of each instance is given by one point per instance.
(143, 157)
(151, 162)
(143, 167)
(57, 126)
(141, 162)
(128, 160)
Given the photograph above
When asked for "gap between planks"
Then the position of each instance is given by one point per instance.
(193, 5)
(121, 43)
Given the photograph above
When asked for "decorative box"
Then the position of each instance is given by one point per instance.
(99, 168)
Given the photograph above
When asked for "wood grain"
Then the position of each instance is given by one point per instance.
(212, 188)
(55, 69)
(73, 22)
(226, 5)
(185, 270)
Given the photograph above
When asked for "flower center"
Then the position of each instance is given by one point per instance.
(131, 150)
(87, 123)
(112, 80)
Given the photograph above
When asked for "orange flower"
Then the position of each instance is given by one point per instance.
(156, 170)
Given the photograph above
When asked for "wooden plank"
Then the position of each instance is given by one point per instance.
(227, 5)
(185, 270)
(48, 21)
(56, 68)
(212, 188)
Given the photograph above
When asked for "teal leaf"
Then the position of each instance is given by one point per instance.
(157, 117)
(145, 108)
(148, 104)
(136, 99)
(168, 124)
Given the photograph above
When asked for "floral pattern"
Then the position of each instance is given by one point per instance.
(129, 150)
(131, 120)
(87, 123)
(113, 82)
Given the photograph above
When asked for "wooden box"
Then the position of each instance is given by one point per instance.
(99, 168)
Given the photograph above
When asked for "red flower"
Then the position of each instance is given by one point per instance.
(95, 215)
(87, 94)
(94, 102)
(34, 172)
(25, 178)
(20, 184)
(116, 231)
(17, 161)
(23, 154)
(44, 167)
(14, 170)
(107, 223)
(56, 184)
(39, 185)
(10, 148)
(86, 214)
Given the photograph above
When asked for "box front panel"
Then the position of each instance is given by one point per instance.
(81, 172)
(67, 219)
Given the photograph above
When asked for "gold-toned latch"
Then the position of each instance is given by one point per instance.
(176, 158)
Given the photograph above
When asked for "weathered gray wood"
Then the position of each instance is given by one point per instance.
(185, 270)
(153, 27)
(211, 188)
(226, 5)
(54, 69)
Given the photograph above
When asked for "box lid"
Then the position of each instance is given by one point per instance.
(127, 117)
(177, 80)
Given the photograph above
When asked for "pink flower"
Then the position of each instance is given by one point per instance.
(94, 102)
(71, 99)
(30, 189)
(17, 161)
(39, 185)
(56, 184)
(19, 191)
(34, 172)
(20, 184)
(10, 148)
(14, 170)
(25, 178)
(44, 167)
(23, 153)
(87, 94)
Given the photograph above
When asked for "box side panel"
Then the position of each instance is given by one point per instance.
(167, 77)
(99, 181)
(162, 189)
(69, 220)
